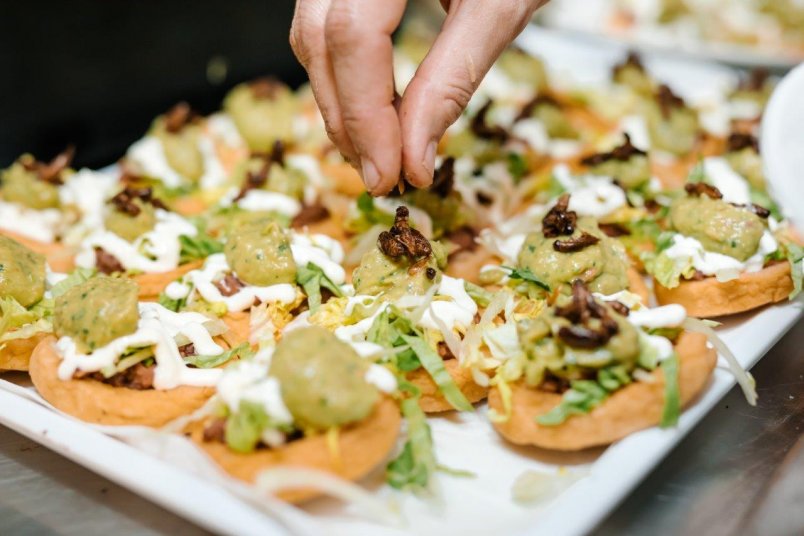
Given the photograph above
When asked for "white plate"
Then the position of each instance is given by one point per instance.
(585, 486)
(583, 19)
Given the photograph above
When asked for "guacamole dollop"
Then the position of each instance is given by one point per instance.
(259, 253)
(97, 311)
(717, 225)
(22, 272)
(602, 266)
(322, 379)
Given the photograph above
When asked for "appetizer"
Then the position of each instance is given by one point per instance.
(721, 258)
(115, 360)
(310, 402)
(594, 371)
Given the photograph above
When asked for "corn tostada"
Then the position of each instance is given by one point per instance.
(115, 360)
(593, 371)
(721, 258)
(311, 402)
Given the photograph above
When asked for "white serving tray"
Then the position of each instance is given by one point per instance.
(581, 488)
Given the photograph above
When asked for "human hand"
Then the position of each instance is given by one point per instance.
(345, 45)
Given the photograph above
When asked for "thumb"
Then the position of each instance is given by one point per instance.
(474, 35)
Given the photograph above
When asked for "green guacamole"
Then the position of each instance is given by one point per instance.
(322, 379)
(259, 253)
(603, 266)
(130, 227)
(22, 272)
(262, 120)
(675, 132)
(181, 150)
(18, 185)
(281, 179)
(748, 163)
(632, 173)
(546, 353)
(554, 120)
(718, 226)
(381, 274)
(97, 311)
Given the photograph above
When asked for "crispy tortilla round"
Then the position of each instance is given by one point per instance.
(60, 258)
(709, 298)
(361, 447)
(99, 403)
(432, 401)
(632, 408)
(636, 284)
(152, 284)
(16, 354)
(467, 264)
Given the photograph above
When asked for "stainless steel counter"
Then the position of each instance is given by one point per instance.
(721, 479)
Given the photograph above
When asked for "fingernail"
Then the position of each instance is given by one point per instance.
(429, 157)
(371, 177)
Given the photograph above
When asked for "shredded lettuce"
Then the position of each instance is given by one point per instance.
(368, 215)
(170, 304)
(585, 395)
(525, 274)
(434, 365)
(517, 166)
(78, 276)
(244, 427)
(387, 330)
(666, 270)
(672, 396)
(198, 247)
(795, 256)
(14, 315)
(413, 468)
(211, 361)
(481, 296)
(312, 279)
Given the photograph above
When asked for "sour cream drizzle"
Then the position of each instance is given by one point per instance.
(158, 250)
(686, 249)
(157, 327)
(215, 267)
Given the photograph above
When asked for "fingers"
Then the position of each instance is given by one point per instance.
(309, 44)
(474, 35)
(358, 37)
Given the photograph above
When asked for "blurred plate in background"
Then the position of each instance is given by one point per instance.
(735, 32)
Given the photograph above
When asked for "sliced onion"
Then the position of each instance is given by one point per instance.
(743, 377)
(177, 426)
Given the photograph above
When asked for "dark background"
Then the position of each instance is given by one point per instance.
(96, 72)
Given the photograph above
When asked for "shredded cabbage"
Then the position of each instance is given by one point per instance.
(744, 378)
(672, 396)
(415, 465)
(434, 365)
